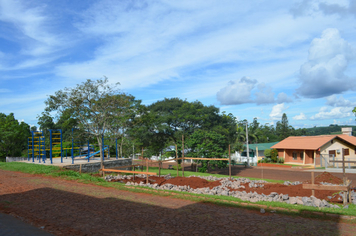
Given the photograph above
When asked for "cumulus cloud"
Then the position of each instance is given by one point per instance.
(277, 111)
(305, 7)
(264, 95)
(323, 74)
(335, 101)
(246, 90)
(342, 10)
(335, 113)
(237, 92)
(283, 98)
(301, 116)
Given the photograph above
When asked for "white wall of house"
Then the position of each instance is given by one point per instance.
(338, 145)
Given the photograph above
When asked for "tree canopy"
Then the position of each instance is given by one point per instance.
(13, 136)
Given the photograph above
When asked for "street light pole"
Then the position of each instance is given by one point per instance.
(247, 149)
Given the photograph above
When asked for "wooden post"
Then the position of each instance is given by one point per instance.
(147, 171)
(312, 181)
(142, 158)
(134, 173)
(80, 168)
(182, 156)
(344, 175)
(177, 161)
(159, 168)
(343, 166)
(229, 163)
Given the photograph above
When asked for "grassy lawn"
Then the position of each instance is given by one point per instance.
(224, 200)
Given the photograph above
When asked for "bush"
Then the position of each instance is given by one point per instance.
(274, 154)
(267, 153)
(174, 167)
(280, 160)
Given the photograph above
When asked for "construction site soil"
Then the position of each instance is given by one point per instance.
(291, 190)
(64, 207)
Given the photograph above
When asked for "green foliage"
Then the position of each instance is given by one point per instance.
(280, 160)
(208, 144)
(274, 154)
(175, 167)
(13, 136)
(163, 123)
(267, 153)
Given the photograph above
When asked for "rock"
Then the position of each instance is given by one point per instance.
(254, 199)
(299, 201)
(346, 207)
(317, 202)
(262, 210)
(292, 200)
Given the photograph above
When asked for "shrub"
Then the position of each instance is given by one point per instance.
(280, 160)
(267, 153)
(274, 154)
(175, 167)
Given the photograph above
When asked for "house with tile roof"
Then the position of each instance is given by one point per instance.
(307, 150)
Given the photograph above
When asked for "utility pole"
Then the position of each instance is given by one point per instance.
(247, 149)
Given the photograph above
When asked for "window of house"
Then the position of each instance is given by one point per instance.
(301, 155)
(346, 152)
(295, 155)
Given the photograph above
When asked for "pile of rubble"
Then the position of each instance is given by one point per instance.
(226, 184)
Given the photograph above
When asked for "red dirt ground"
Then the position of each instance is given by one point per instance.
(65, 207)
(273, 165)
(291, 190)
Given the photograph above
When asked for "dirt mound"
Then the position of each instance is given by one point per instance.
(291, 190)
(329, 178)
(193, 182)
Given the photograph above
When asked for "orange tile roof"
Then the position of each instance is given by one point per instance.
(310, 142)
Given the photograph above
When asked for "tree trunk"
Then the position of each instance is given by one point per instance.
(101, 151)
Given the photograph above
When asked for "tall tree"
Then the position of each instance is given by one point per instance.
(94, 104)
(208, 144)
(282, 127)
(13, 136)
(169, 119)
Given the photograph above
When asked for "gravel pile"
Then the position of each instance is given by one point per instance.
(226, 183)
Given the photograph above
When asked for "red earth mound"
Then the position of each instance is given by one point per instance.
(291, 190)
(329, 178)
(272, 165)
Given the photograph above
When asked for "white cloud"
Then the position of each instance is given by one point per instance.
(335, 101)
(283, 98)
(31, 22)
(237, 92)
(277, 111)
(338, 7)
(334, 113)
(264, 95)
(301, 116)
(324, 72)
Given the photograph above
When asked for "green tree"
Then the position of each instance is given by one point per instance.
(274, 154)
(13, 136)
(208, 144)
(164, 122)
(93, 104)
(283, 129)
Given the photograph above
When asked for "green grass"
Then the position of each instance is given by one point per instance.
(222, 200)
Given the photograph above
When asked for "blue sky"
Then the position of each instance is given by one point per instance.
(250, 58)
